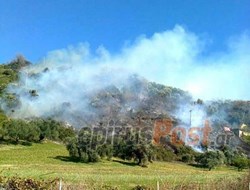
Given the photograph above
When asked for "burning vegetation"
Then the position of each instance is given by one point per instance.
(134, 119)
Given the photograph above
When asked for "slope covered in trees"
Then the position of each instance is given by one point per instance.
(120, 121)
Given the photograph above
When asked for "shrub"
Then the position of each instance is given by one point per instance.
(210, 159)
(7, 72)
(241, 163)
(187, 158)
(19, 183)
(163, 154)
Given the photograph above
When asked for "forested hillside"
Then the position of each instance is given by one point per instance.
(121, 121)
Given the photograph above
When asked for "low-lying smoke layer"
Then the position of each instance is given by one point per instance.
(66, 79)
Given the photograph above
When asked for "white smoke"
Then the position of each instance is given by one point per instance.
(174, 58)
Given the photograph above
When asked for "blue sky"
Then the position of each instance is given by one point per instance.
(35, 27)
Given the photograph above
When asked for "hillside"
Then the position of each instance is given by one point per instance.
(111, 130)
(136, 102)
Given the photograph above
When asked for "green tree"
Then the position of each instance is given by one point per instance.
(73, 148)
(230, 154)
(161, 153)
(210, 159)
(20, 130)
(84, 148)
(241, 163)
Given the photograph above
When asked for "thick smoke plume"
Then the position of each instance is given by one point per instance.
(66, 78)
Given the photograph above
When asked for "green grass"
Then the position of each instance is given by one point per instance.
(49, 161)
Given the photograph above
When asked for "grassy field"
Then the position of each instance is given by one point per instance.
(50, 160)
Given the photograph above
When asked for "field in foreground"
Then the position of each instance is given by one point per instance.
(50, 160)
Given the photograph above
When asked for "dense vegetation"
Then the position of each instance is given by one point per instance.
(130, 144)
(15, 130)
(88, 145)
(26, 131)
